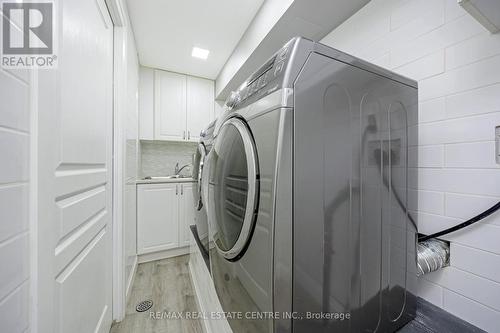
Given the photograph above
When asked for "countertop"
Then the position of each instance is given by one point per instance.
(164, 181)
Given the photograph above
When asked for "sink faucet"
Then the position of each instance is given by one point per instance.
(178, 170)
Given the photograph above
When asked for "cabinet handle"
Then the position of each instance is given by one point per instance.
(182, 189)
(189, 135)
(176, 189)
(184, 135)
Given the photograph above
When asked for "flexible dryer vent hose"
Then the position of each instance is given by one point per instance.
(432, 254)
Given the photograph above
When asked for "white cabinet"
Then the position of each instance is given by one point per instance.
(186, 213)
(164, 214)
(174, 106)
(200, 106)
(157, 217)
(170, 106)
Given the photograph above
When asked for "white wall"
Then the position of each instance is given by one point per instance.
(14, 201)
(457, 65)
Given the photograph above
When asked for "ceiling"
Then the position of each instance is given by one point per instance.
(312, 19)
(167, 30)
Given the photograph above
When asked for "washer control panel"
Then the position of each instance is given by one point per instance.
(263, 81)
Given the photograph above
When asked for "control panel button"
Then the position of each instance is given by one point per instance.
(282, 54)
(260, 82)
(237, 98)
(263, 81)
(279, 68)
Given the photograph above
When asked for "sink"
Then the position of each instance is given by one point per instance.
(165, 177)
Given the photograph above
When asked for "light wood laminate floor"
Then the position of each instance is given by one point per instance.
(168, 284)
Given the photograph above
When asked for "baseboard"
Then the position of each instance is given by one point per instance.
(147, 257)
(131, 279)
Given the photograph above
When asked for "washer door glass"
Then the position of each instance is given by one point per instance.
(234, 180)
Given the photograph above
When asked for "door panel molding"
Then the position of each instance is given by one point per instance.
(74, 182)
(77, 210)
(91, 290)
(71, 246)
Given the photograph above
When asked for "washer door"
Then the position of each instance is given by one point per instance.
(234, 188)
(199, 162)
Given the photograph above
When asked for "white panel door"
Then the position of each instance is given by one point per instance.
(170, 106)
(157, 217)
(187, 215)
(200, 106)
(74, 174)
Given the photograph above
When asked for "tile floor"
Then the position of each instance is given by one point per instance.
(168, 284)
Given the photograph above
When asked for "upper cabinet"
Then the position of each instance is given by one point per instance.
(170, 106)
(200, 106)
(174, 106)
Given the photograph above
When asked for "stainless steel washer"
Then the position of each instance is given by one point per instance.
(308, 195)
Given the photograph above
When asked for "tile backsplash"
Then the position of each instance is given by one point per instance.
(158, 158)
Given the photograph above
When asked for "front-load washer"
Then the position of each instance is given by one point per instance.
(308, 196)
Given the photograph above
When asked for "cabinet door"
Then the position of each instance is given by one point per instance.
(146, 105)
(200, 106)
(170, 106)
(157, 217)
(186, 213)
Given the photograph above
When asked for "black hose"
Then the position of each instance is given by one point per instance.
(462, 225)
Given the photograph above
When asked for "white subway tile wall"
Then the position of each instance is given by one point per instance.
(464, 307)
(14, 200)
(432, 110)
(158, 158)
(463, 206)
(431, 292)
(457, 65)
